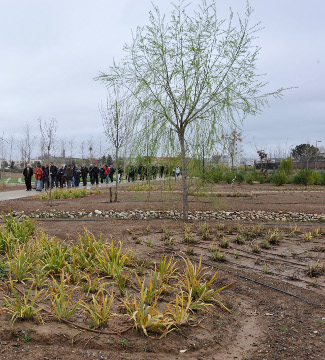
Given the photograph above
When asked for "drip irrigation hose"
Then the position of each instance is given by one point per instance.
(256, 282)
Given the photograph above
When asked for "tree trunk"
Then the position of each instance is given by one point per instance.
(116, 176)
(185, 195)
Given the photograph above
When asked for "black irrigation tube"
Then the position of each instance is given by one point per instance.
(257, 282)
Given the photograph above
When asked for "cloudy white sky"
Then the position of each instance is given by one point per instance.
(52, 50)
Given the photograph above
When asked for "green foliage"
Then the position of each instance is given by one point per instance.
(304, 177)
(279, 178)
(286, 166)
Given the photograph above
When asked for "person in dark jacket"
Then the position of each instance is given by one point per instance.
(69, 174)
(95, 173)
(60, 176)
(76, 176)
(52, 173)
(111, 172)
(84, 173)
(45, 177)
(28, 173)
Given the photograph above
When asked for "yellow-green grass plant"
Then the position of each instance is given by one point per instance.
(99, 309)
(23, 307)
(145, 317)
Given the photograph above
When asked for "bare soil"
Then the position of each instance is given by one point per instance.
(277, 309)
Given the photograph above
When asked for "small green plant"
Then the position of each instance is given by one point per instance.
(265, 245)
(239, 239)
(189, 250)
(23, 307)
(218, 256)
(124, 342)
(91, 284)
(146, 317)
(166, 269)
(149, 243)
(225, 243)
(316, 269)
(318, 232)
(147, 230)
(236, 255)
(24, 337)
(274, 237)
(99, 309)
(308, 236)
(194, 283)
(62, 299)
(294, 229)
(182, 309)
(256, 249)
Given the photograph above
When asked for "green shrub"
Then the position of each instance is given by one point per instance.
(286, 166)
(322, 178)
(214, 175)
(250, 178)
(279, 178)
(240, 177)
(229, 177)
(304, 177)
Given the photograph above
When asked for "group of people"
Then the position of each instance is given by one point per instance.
(70, 176)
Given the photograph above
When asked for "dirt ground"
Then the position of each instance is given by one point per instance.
(277, 307)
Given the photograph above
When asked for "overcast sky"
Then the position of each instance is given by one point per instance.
(52, 50)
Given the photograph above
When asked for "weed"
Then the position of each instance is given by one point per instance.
(24, 337)
(124, 342)
(236, 255)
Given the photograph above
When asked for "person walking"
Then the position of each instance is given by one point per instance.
(38, 177)
(28, 173)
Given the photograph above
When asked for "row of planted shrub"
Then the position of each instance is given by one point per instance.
(277, 177)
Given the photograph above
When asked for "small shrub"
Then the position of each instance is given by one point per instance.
(279, 178)
(304, 177)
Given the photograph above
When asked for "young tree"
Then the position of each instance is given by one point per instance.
(116, 115)
(194, 72)
(48, 130)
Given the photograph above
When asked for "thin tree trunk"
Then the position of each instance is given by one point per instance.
(116, 176)
(185, 195)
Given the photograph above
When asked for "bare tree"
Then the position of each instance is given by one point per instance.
(116, 116)
(48, 130)
(82, 148)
